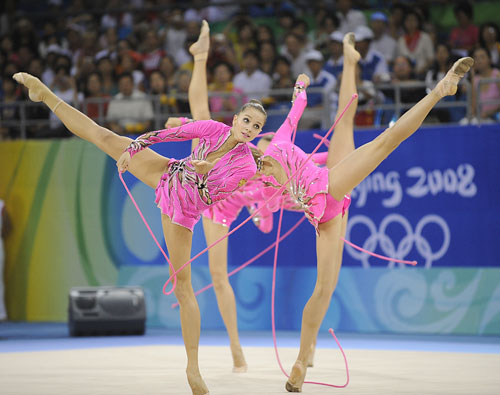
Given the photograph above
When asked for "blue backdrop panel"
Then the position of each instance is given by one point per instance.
(374, 300)
(435, 200)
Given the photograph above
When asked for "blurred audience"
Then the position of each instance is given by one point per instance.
(159, 89)
(245, 38)
(489, 38)
(444, 60)
(335, 61)
(9, 112)
(484, 91)
(267, 56)
(254, 83)
(168, 68)
(404, 79)
(64, 86)
(152, 53)
(382, 41)
(107, 73)
(416, 44)
(222, 82)
(465, 36)
(349, 18)
(95, 104)
(327, 25)
(282, 79)
(322, 83)
(373, 65)
(84, 55)
(178, 99)
(130, 111)
(396, 20)
(295, 50)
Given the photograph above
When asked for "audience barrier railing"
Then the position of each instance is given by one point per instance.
(387, 105)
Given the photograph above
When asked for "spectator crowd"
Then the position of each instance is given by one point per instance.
(130, 62)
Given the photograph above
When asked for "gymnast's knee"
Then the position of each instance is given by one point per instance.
(324, 291)
(183, 289)
(220, 280)
(387, 140)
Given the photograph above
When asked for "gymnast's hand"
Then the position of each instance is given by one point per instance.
(304, 79)
(301, 83)
(203, 166)
(173, 122)
(123, 162)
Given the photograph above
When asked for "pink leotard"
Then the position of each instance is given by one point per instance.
(182, 193)
(252, 196)
(309, 187)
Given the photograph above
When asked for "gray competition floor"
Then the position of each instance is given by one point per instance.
(43, 359)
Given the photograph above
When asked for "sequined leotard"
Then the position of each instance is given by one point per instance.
(309, 187)
(182, 193)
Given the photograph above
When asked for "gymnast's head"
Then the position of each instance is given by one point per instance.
(248, 122)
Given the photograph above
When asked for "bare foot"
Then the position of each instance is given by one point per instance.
(239, 363)
(297, 376)
(196, 383)
(201, 46)
(350, 53)
(37, 89)
(310, 358)
(449, 84)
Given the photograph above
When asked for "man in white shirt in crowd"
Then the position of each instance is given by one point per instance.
(373, 65)
(321, 87)
(349, 19)
(382, 41)
(295, 51)
(254, 83)
(335, 63)
(129, 112)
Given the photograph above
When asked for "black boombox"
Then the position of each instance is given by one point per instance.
(106, 311)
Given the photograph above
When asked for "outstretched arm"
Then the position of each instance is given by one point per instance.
(188, 131)
(299, 104)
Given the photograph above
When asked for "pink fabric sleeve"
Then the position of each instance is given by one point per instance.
(188, 131)
(320, 158)
(292, 120)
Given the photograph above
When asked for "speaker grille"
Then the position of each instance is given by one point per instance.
(119, 302)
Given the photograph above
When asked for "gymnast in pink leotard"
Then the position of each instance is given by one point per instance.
(254, 195)
(183, 193)
(322, 192)
(184, 188)
(309, 188)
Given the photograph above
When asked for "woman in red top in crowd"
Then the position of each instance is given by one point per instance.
(95, 105)
(465, 36)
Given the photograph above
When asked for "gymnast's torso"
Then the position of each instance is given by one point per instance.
(182, 193)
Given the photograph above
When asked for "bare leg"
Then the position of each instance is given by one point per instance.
(178, 241)
(359, 164)
(312, 351)
(328, 245)
(197, 93)
(147, 165)
(217, 255)
(217, 258)
(342, 141)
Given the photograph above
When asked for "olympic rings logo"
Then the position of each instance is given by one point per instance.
(378, 237)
